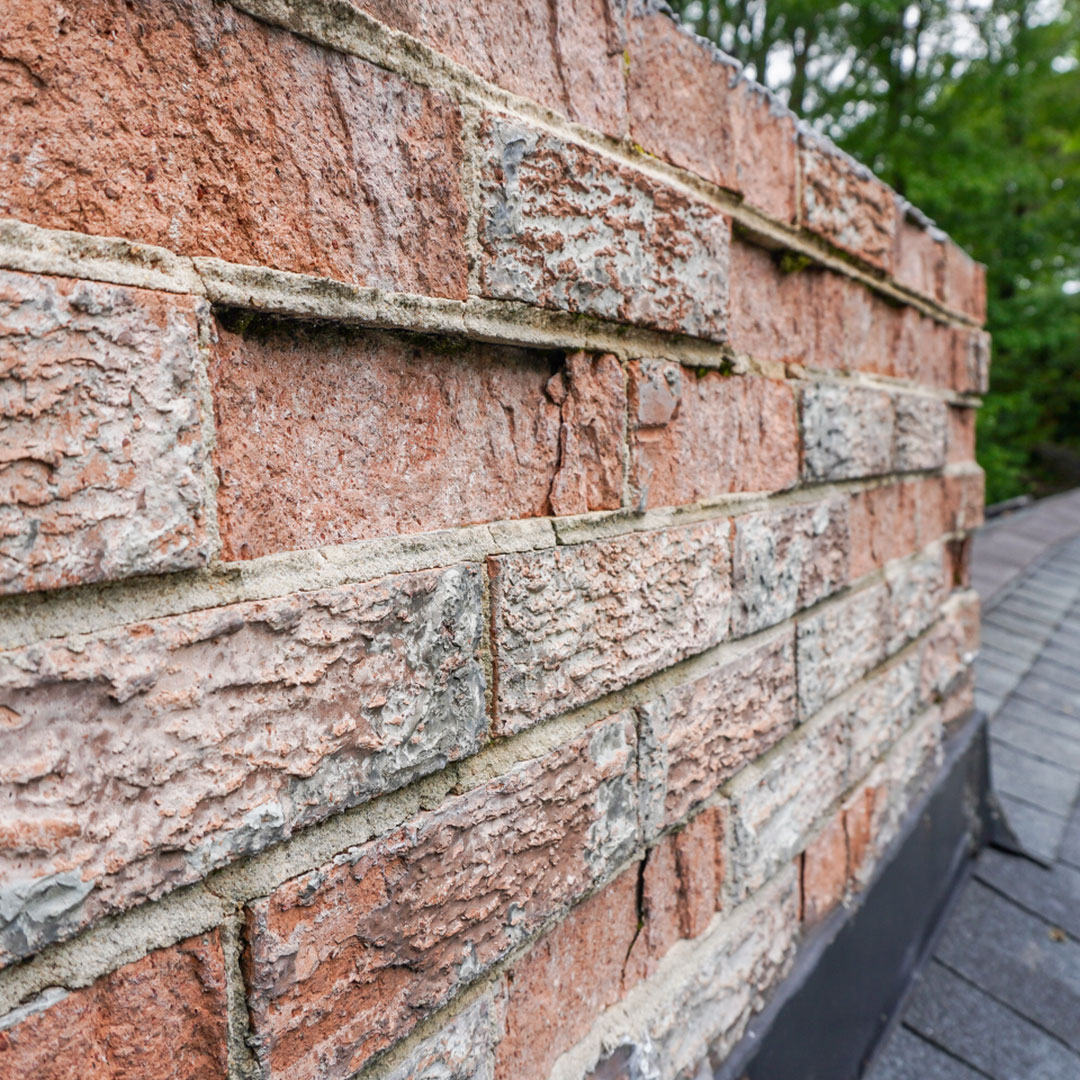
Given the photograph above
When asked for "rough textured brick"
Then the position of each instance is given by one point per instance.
(697, 1004)
(774, 804)
(563, 227)
(569, 977)
(141, 758)
(343, 961)
(964, 283)
(840, 644)
(162, 1016)
(766, 151)
(785, 560)
(965, 498)
(848, 431)
(566, 55)
(879, 711)
(570, 624)
(706, 434)
(846, 204)
(852, 325)
(697, 735)
(460, 1050)
(824, 871)
(591, 394)
(681, 96)
(960, 442)
(325, 436)
(921, 432)
(682, 888)
(950, 649)
(189, 125)
(101, 467)
(919, 258)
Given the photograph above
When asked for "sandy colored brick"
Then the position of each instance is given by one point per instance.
(848, 432)
(192, 126)
(326, 435)
(824, 871)
(567, 979)
(786, 560)
(101, 462)
(680, 91)
(685, 1019)
(573, 623)
(846, 204)
(839, 644)
(139, 759)
(878, 712)
(921, 433)
(699, 435)
(345, 960)
(563, 227)
(696, 736)
(162, 1016)
(460, 1050)
(950, 648)
(971, 361)
(565, 54)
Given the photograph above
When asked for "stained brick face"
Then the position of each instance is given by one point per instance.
(485, 507)
(102, 462)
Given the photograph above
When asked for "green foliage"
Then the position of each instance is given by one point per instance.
(970, 109)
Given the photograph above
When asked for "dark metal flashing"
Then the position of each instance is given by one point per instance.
(852, 972)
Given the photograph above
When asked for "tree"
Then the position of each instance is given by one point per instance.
(970, 109)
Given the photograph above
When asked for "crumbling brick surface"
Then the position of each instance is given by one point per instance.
(485, 508)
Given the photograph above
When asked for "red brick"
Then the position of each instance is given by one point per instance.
(858, 818)
(846, 204)
(697, 735)
(825, 871)
(566, 54)
(698, 435)
(643, 254)
(971, 361)
(922, 349)
(591, 392)
(192, 126)
(961, 440)
(883, 526)
(572, 623)
(101, 469)
(680, 95)
(965, 497)
(852, 325)
(345, 960)
(570, 976)
(919, 260)
(326, 436)
(139, 759)
(767, 152)
(965, 283)
(162, 1016)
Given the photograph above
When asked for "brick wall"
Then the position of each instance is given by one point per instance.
(482, 538)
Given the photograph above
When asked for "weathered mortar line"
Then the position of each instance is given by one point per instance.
(241, 1062)
(338, 25)
(114, 942)
(33, 249)
(128, 936)
(29, 617)
(208, 427)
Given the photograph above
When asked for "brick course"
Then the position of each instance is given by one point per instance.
(497, 522)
